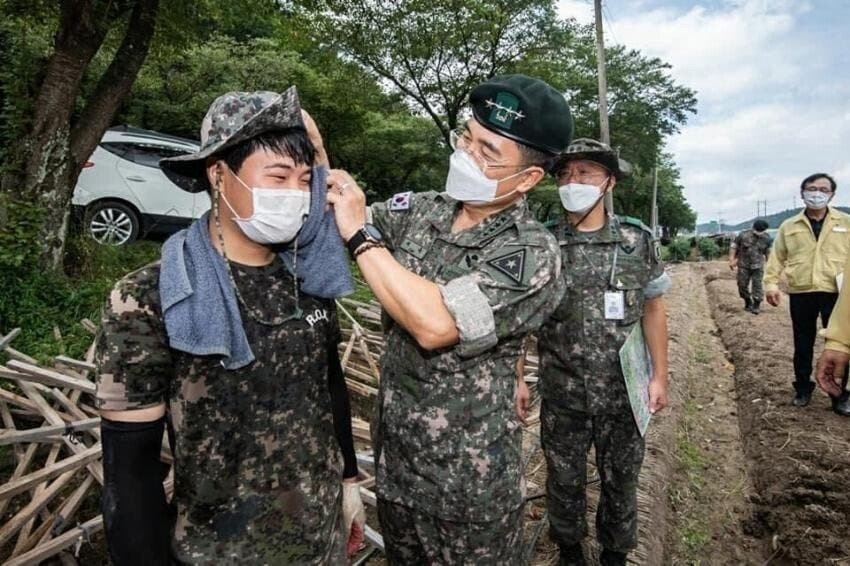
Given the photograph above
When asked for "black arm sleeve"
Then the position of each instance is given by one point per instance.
(135, 513)
(341, 407)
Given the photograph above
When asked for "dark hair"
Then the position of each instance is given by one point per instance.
(817, 176)
(533, 156)
(760, 225)
(292, 142)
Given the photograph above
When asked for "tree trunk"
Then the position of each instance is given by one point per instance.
(56, 152)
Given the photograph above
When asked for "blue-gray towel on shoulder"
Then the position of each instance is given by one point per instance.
(199, 306)
(322, 258)
(198, 303)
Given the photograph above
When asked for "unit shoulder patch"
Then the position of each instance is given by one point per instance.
(511, 264)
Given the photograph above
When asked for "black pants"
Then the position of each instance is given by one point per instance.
(805, 310)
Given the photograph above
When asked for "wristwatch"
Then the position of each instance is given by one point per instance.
(368, 233)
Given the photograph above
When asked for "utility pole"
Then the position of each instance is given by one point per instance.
(654, 212)
(604, 132)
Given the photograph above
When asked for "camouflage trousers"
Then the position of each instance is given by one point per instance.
(747, 274)
(566, 437)
(413, 538)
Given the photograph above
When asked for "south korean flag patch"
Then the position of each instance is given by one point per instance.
(512, 265)
(399, 201)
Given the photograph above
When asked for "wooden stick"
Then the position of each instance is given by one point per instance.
(20, 469)
(347, 353)
(39, 490)
(72, 363)
(57, 545)
(358, 388)
(26, 515)
(8, 396)
(31, 480)
(47, 377)
(9, 423)
(53, 418)
(64, 515)
(89, 325)
(46, 433)
(4, 341)
(14, 354)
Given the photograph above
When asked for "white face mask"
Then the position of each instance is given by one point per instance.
(467, 183)
(578, 197)
(278, 214)
(815, 199)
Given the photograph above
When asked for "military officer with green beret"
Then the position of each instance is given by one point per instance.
(464, 276)
(614, 280)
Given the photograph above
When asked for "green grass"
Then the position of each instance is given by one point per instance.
(48, 307)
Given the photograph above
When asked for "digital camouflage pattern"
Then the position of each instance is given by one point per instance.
(752, 248)
(579, 348)
(566, 437)
(231, 119)
(257, 464)
(581, 382)
(423, 539)
(447, 442)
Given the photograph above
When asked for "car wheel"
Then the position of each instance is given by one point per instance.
(112, 223)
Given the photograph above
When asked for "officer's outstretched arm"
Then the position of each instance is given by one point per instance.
(412, 301)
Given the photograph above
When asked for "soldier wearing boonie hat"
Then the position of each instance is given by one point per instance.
(232, 339)
(464, 276)
(615, 280)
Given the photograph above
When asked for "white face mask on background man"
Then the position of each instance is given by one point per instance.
(816, 200)
(579, 197)
(467, 183)
(278, 214)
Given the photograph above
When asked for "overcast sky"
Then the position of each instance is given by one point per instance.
(773, 91)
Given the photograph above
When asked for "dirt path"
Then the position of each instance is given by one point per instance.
(710, 494)
(799, 459)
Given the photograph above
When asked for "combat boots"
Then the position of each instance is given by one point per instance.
(841, 405)
(612, 558)
(754, 308)
(748, 304)
(572, 555)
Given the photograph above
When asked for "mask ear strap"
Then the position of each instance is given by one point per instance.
(595, 204)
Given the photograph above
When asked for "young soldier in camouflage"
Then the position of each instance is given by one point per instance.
(614, 280)
(468, 274)
(747, 254)
(239, 358)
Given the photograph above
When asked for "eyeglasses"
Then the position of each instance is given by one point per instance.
(581, 175)
(458, 141)
(824, 190)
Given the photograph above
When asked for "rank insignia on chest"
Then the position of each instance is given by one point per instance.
(512, 265)
(628, 249)
(400, 201)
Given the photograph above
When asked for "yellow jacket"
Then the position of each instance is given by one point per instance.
(810, 265)
(837, 333)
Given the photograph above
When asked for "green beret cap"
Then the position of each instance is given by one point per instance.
(524, 109)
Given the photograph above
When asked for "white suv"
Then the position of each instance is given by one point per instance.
(122, 194)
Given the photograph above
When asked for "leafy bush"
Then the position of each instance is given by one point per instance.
(708, 248)
(679, 249)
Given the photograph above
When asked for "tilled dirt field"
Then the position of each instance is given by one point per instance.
(798, 459)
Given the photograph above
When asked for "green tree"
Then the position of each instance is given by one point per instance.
(434, 52)
(708, 248)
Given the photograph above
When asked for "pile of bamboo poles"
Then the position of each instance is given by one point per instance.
(52, 427)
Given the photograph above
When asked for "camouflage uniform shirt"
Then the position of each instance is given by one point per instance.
(447, 442)
(579, 347)
(257, 464)
(752, 247)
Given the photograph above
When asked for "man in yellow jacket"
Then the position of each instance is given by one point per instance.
(832, 365)
(810, 248)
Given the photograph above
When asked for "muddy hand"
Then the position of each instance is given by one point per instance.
(830, 372)
(522, 399)
(774, 298)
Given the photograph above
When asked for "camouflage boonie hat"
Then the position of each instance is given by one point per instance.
(233, 118)
(592, 150)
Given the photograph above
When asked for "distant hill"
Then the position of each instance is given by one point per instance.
(774, 220)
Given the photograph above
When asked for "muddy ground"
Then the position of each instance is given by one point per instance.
(798, 459)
